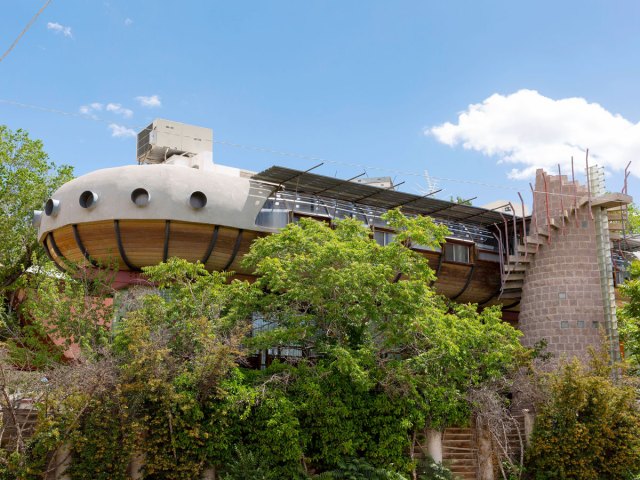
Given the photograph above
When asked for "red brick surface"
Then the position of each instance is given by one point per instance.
(562, 281)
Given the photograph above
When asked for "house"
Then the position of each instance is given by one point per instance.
(553, 272)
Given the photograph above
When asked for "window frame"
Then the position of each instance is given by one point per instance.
(457, 242)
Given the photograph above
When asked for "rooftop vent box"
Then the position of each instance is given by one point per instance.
(164, 138)
(380, 182)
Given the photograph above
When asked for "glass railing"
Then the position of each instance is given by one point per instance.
(283, 208)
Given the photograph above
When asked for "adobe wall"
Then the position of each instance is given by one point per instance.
(561, 295)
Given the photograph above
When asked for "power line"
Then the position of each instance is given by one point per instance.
(15, 42)
(52, 110)
(274, 151)
(356, 165)
(82, 116)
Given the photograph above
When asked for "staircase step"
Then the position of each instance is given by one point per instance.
(618, 215)
(515, 268)
(511, 295)
(515, 276)
(513, 284)
(534, 240)
(612, 200)
(527, 249)
(542, 232)
(518, 259)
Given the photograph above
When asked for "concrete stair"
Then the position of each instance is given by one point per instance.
(459, 452)
(515, 267)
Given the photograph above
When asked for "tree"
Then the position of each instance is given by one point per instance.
(633, 219)
(27, 179)
(630, 317)
(165, 382)
(588, 428)
(370, 355)
(459, 200)
(369, 326)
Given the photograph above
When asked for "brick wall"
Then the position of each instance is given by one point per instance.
(561, 295)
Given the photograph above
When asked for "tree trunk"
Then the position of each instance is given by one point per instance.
(434, 444)
(529, 419)
(135, 466)
(209, 474)
(63, 461)
(485, 454)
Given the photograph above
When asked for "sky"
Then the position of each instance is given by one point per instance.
(476, 94)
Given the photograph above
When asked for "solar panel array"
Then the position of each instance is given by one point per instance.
(349, 191)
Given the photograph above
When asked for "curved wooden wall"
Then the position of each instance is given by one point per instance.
(131, 244)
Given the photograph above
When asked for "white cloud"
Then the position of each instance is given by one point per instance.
(90, 108)
(151, 102)
(127, 22)
(119, 110)
(532, 131)
(121, 131)
(58, 28)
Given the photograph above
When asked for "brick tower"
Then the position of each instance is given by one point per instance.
(567, 292)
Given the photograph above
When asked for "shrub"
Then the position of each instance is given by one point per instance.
(589, 428)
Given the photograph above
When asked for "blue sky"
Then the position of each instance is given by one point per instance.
(353, 82)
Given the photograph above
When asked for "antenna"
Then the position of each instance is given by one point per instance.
(432, 185)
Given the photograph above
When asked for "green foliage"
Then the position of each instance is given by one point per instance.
(27, 179)
(589, 429)
(27, 344)
(247, 465)
(629, 325)
(633, 219)
(103, 441)
(274, 432)
(382, 357)
(178, 367)
(341, 418)
(359, 469)
(431, 470)
(389, 354)
(459, 200)
(73, 309)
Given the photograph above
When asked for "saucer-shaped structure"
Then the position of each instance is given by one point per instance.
(130, 217)
(134, 216)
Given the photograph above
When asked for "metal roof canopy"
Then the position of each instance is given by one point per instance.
(348, 191)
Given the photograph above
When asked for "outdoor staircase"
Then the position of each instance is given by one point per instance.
(516, 263)
(460, 452)
(618, 222)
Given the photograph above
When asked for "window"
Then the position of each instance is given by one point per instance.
(383, 237)
(455, 252)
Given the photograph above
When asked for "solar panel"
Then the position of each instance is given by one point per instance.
(350, 191)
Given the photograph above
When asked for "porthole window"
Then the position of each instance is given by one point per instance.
(52, 207)
(140, 197)
(88, 199)
(37, 218)
(197, 200)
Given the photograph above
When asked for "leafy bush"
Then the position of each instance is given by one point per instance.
(588, 429)
(432, 470)
(246, 465)
(358, 469)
